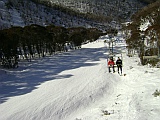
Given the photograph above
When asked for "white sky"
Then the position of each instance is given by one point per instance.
(76, 85)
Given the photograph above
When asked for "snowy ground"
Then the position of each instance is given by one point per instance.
(77, 86)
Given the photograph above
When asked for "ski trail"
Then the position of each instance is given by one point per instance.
(100, 86)
(107, 83)
(120, 100)
(86, 82)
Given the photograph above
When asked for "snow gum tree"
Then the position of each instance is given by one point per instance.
(34, 41)
(145, 32)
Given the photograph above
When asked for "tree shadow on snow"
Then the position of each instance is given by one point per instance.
(25, 79)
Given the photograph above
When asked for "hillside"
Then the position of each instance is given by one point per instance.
(120, 9)
(22, 13)
(146, 41)
(97, 14)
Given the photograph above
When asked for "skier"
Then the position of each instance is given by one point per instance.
(111, 64)
(119, 65)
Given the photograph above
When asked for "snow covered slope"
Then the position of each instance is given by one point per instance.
(23, 13)
(27, 12)
(76, 85)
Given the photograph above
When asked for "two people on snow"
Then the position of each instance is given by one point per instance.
(118, 63)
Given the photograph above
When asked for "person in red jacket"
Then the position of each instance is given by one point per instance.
(111, 65)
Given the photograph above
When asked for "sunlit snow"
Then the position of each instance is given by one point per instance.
(76, 85)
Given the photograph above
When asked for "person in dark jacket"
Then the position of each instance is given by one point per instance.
(119, 65)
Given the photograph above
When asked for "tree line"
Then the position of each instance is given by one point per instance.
(147, 40)
(31, 41)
